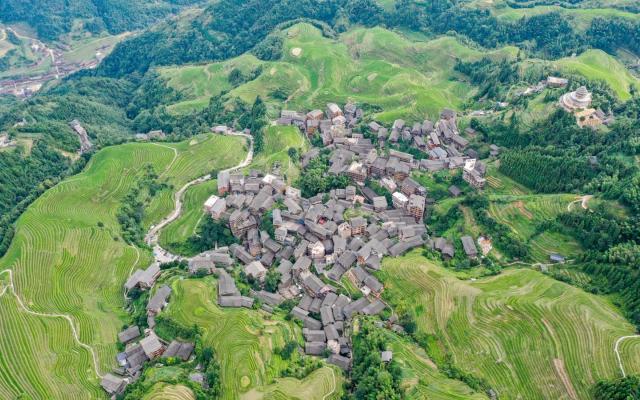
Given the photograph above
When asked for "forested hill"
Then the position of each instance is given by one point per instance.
(52, 18)
(228, 28)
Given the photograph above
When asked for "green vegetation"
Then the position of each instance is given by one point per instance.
(186, 226)
(524, 214)
(619, 389)
(278, 140)
(599, 66)
(163, 391)
(73, 231)
(51, 19)
(486, 326)
(245, 342)
(393, 75)
(370, 377)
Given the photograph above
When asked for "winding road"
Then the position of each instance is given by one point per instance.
(152, 236)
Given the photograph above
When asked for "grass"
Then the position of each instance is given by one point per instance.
(510, 328)
(317, 386)
(523, 213)
(580, 18)
(411, 79)
(244, 341)
(277, 141)
(420, 376)
(65, 263)
(598, 65)
(162, 391)
(184, 227)
(192, 159)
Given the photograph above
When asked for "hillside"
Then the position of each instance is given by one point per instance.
(523, 332)
(51, 19)
(72, 229)
(377, 67)
(517, 193)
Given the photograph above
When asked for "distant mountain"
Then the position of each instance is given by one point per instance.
(53, 18)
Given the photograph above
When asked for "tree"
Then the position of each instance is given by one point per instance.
(271, 281)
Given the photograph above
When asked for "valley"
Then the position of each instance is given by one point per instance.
(388, 199)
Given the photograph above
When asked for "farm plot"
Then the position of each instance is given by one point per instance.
(67, 258)
(162, 391)
(191, 159)
(244, 340)
(277, 141)
(184, 227)
(523, 213)
(322, 384)
(420, 376)
(404, 78)
(529, 335)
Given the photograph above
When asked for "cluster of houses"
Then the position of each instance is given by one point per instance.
(316, 243)
(141, 347)
(577, 102)
(321, 245)
(375, 155)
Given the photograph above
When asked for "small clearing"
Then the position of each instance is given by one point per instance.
(296, 51)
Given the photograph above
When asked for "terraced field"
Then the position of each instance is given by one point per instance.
(185, 226)
(244, 341)
(162, 391)
(191, 159)
(523, 213)
(598, 65)
(321, 384)
(421, 378)
(529, 335)
(67, 258)
(374, 66)
(277, 141)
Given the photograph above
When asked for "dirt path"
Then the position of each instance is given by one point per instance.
(584, 201)
(617, 351)
(74, 330)
(564, 377)
(152, 236)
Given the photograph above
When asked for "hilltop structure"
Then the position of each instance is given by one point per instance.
(577, 100)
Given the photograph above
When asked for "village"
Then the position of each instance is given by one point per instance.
(315, 243)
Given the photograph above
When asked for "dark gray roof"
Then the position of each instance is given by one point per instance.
(157, 302)
(129, 334)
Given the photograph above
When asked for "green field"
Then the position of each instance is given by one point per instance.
(64, 263)
(191, 159)
(529, 335)
(163, 391)
(598, 65)
(185, 226)
(523, 213)
(277, 141)
(244, 341)
(420, 376)
(410, 79)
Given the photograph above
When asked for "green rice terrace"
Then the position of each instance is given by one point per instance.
(526, 333)
(58, 244)
(362, 200)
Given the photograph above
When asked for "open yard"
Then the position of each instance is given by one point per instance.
(529, 335)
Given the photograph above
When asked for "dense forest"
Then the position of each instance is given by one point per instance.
(53, 18)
